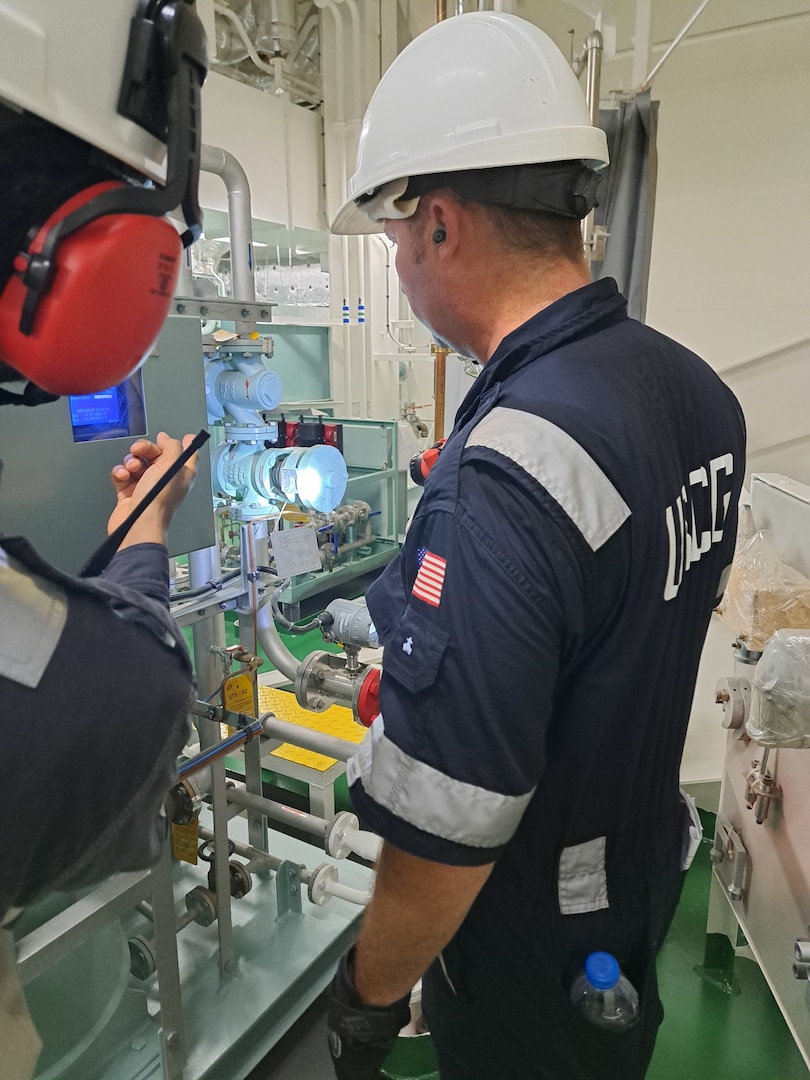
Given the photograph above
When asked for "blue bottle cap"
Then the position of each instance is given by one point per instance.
(602, 970)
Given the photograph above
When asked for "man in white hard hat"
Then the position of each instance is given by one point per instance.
(95, 99)
(543, 625)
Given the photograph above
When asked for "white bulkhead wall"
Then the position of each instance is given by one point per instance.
(278, 144)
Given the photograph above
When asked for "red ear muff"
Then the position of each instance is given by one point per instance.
(103, 305)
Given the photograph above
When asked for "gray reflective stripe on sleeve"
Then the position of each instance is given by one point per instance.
(429, 799)
(34, 612)
(581, 880)
(557, 461)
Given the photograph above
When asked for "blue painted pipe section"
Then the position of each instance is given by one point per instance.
(249, 731)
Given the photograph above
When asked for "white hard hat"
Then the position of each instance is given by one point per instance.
(475, 91)
(64, 60)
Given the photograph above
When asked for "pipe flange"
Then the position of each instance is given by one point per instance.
(142, 958)
(335, 839)
(322, 877)
(241, 881)
(308, 681)
(204, 903)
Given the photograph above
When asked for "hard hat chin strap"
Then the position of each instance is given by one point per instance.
(566, 188)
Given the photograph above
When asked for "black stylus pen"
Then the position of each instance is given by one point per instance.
(101, 557)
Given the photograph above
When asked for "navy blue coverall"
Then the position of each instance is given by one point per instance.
(542, 630)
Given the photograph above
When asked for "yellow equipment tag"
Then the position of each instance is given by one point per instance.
(237, 696)
(184, 841)
(237, 693)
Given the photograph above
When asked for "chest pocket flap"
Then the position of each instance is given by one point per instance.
(414, 651)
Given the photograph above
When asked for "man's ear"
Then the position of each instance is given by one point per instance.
(444, 220)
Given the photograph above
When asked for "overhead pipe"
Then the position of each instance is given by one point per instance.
(675, 42)
(333, 6)
(213, 159)
(776, 22)
(295, 86)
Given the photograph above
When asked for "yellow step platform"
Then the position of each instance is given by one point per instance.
(336, 720)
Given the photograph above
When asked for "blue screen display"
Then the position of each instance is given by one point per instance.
(117, 413)
(99, 408)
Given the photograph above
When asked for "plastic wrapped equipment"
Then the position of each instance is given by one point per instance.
(780, 692)
(763, 593)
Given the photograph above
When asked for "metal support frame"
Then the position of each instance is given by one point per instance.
(172, 1031)
(43, 947)
(288, 890)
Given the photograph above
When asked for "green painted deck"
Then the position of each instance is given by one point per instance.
(707, 1034)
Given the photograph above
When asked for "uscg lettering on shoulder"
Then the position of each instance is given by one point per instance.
(696, 519)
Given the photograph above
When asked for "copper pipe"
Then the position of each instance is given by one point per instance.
(439, 352)
(439, 380)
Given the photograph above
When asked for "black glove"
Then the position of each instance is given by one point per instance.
(360, 1036)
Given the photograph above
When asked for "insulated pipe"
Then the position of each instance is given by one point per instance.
(240, 226)
(300, 89)
(356, 105)
(290, 85)
(359, 67)
(329, 6)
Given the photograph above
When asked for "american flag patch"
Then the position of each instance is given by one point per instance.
(430, 579)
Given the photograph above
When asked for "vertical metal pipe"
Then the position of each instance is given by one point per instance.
(593, 77)
(441, 10)
(185, 280)
(222, 872)
(207, 634)
(594, 45)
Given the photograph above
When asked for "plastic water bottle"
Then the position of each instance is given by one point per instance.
(603, 995)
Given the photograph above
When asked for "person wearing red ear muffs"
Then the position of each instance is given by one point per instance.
(99, 140)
